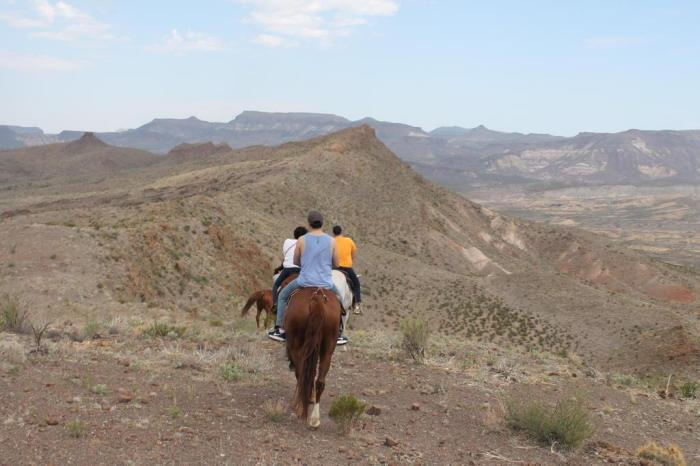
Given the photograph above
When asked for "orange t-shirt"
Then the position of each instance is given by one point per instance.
(345, 247)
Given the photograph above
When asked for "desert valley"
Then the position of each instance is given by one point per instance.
(573, 276)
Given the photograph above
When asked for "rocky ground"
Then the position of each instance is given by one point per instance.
(219, 394)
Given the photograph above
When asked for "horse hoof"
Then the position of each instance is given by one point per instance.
(314, 425)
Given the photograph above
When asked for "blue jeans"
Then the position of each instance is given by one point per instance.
(284, 297)
(284, 273)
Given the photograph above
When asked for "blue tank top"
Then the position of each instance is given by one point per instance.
(316, 262)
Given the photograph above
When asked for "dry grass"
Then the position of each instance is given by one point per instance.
(76, 428)
(415, 335)
(567, 423)
(12, 318)
(12, 352)
(274, 410)
(670, 455)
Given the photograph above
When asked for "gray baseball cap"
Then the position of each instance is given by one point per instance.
(314, 216)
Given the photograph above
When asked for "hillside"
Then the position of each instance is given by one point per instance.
(85, 159)
(197, 233)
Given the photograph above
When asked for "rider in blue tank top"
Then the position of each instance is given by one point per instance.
(317, 261)
(315, 254)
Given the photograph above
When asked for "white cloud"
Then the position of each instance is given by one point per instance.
(269, 40)
(22, 62)
(191, 41)
(283, 21)
(58, 21)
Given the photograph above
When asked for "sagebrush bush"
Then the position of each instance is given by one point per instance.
(671, 455)
(346, 411)
(567, 423)
(12, 318)
(415, 334)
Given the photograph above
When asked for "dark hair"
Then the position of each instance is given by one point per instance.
(299, 232)
(316, 224)
(337, 230)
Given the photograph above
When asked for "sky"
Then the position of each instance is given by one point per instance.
(556, 67)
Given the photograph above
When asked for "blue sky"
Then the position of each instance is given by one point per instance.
(533, 66)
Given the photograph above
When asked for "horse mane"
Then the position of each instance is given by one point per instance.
(310, 353)
(253, 298)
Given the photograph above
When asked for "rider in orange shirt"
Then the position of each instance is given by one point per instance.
(346, 250)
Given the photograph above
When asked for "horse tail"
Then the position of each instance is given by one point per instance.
(253, 298)
(310, 354)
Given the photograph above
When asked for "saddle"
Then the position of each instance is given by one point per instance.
(343, 312)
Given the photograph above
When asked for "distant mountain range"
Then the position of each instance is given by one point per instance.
(454, 156)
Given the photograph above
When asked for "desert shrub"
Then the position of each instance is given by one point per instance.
(175, 411)
(39, 330)
(76, 428)
(161, 329)
(99, 389)
(274, 410)
(216, 322)
(346, 411)
(12, 318)
(91, 330)
(12, 352)
(689, 389)
(231, 372)
(567, 423)
(670, 455)
(415, 334)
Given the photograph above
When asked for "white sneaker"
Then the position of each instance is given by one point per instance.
(357, 309)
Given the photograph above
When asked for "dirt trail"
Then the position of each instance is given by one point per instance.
(151, 402)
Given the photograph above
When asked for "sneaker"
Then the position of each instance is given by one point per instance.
(342, 340)
(277, 334)
(357, 309)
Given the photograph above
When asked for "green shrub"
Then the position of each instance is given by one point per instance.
(231, 372)
(567, 423)
(689, 389)
(162, 329)
(76, 428)
(175, 411)
(12, 319)
(99, 389)
(415, 335)
(91, 330)
(346, 411)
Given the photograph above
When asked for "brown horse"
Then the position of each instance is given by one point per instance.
(312, 322)
(263, 299)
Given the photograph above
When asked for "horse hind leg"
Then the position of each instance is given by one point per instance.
(315, 413)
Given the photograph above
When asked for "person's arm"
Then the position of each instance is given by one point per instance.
(298, 249)
(336, 261)
(353, 251)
